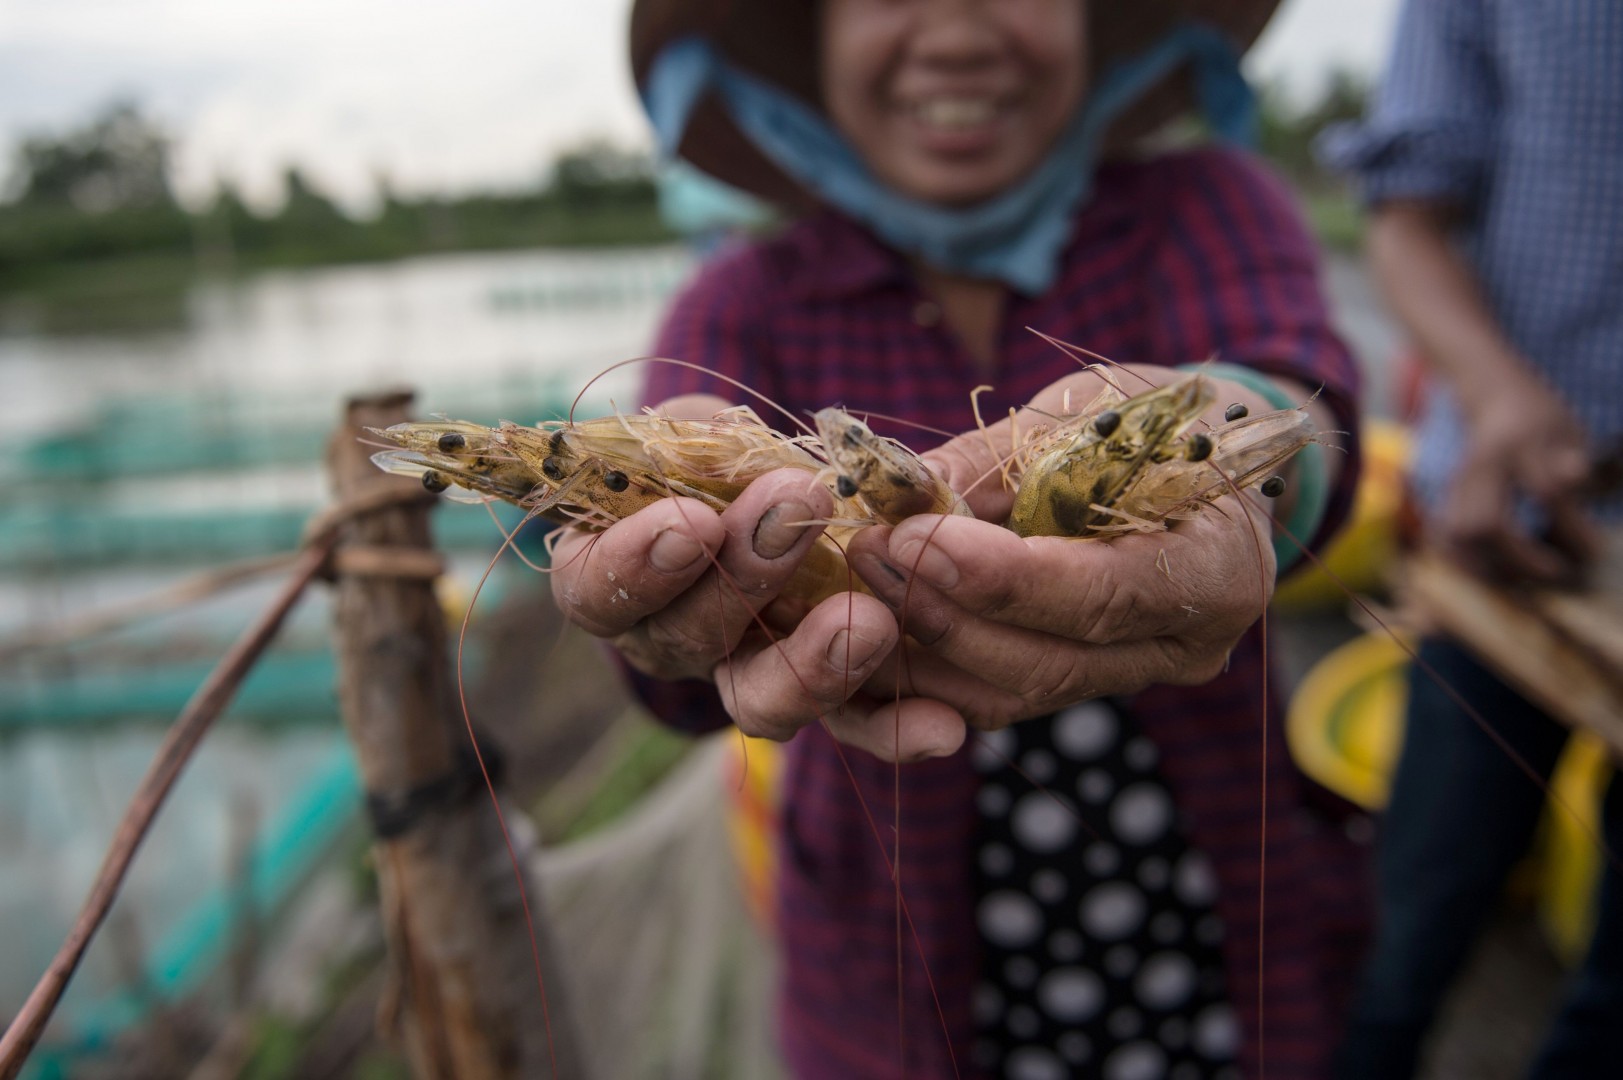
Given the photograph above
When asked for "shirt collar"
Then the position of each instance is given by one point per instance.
(836, 258)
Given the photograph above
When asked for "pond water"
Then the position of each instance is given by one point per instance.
(468, 331)
(446, 324)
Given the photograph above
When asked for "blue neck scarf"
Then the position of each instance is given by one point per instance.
(1017, 236)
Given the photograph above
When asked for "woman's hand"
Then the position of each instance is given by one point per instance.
(1012, 628)
(1003, 628)
(683, 592)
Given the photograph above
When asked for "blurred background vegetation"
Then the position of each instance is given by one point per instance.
(91, 216)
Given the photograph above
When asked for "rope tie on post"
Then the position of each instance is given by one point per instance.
(372, 560)
(395, 813)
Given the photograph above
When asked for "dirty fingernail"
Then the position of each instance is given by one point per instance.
(672, 551)
(779, 528)
(848, 651)
(928, 562)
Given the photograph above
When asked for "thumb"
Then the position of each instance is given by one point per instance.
(977, 466)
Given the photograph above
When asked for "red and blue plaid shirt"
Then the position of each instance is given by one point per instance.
(1174, 260)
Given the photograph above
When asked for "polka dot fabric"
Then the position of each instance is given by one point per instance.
(1101, 948)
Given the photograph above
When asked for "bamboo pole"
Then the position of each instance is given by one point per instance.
(464, 997)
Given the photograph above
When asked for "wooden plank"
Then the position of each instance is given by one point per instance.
(1558, 661)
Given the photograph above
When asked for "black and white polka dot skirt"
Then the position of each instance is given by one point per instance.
(1101, 945)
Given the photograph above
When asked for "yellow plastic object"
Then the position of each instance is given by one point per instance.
(1345, 728)
(752, 779)
(1572, 859)
(1345, 722)
(1362, 551)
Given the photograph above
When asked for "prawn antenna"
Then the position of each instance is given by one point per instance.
(701, 369)
(495, 801)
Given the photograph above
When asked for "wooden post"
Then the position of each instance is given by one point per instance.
(464, 996)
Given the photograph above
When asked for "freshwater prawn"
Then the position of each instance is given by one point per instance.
(1121, 463)
(594, 473)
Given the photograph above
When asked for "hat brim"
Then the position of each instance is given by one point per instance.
(775, 40)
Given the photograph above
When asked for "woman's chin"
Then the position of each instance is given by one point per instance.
(955, 185)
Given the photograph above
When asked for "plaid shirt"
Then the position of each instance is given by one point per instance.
(1513, 113)
(1178, 259)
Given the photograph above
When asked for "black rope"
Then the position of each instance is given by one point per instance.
(395, 813)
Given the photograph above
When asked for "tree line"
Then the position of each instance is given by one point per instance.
(101, 193)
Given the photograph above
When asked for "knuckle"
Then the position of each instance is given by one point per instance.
(1049, 676)
(580, 611)
(995, 714)
(1116, 608)
(753, 584)
(759, 726)
(1192, 668)
(1000, 598)
(763, 702)
(684, 641)
(634, 647)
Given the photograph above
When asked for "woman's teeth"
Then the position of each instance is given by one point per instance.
(955, 114)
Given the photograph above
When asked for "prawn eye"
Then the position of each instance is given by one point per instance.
(616, 481)
(1200, 447)
(552, 469)
(846, 486)
(452, 441)
(1236, 412)
(434, 482)
(1274, 487)
(1107, 422)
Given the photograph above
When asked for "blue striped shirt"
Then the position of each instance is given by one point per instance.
(1512, 110)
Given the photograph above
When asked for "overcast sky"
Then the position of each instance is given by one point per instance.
(441, 97)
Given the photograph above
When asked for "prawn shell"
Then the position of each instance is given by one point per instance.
(1245, 452)
(1072, 488)
(479, 460)
(596, 472)
(890, 481)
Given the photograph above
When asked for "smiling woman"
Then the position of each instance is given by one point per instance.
(946, 156)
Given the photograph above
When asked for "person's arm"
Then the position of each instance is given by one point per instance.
(1521, 440)
(1423, 159)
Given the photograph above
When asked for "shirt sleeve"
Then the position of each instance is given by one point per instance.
(1235, 277)
(1431, 131)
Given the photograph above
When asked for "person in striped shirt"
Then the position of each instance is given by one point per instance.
(1493, 166)
(959, 171)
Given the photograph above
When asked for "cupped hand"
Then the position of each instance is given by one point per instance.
(1002, 628)
(685, 592)
(1009, 628)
